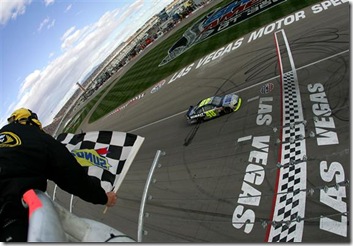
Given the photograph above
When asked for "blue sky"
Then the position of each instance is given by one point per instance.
(46, 46)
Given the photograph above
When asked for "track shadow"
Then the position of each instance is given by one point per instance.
(191, 134)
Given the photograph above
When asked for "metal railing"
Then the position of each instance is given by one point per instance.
(144, 195)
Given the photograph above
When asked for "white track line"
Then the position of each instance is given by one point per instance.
(244, 89)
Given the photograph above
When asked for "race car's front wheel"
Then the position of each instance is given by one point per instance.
(228, 110)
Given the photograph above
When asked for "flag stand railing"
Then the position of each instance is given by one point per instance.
(71, 198)
(144, 195)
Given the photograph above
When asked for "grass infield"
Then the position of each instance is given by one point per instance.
(146, 72)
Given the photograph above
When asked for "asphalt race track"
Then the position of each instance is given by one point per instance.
(276, 170)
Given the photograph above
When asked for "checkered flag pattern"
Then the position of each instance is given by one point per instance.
(121, 150)
(290, 202)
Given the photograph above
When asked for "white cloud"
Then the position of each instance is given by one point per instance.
(46, 23)
(29, 82)
(68, 8)
(43, 23)
(48, 2)
(51, 24)
(70, 39)
(46, 90)
(10, 9)
(67, 33)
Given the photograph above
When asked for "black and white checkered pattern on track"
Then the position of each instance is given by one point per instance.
(197, 186)
(290, 199)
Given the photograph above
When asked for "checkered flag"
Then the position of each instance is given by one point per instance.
(106, 155)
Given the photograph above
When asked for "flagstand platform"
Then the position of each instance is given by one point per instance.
(50, 222)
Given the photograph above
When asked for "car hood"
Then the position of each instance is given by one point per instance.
(190, 111)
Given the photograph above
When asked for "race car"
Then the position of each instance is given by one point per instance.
(213, 107)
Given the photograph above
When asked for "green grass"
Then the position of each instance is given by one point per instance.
(146, 72)
(76, 121)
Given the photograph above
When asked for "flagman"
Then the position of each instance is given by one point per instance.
(28, 158)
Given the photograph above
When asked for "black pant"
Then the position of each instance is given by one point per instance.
(13, 222)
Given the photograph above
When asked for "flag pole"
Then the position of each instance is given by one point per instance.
(127, 165)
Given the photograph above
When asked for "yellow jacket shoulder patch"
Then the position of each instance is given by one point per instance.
(9, 139)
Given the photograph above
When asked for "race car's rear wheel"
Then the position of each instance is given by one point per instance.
(200, 120)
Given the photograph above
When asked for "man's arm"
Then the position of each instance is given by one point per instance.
(70, 176)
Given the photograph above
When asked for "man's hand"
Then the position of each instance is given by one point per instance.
(111, 199)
